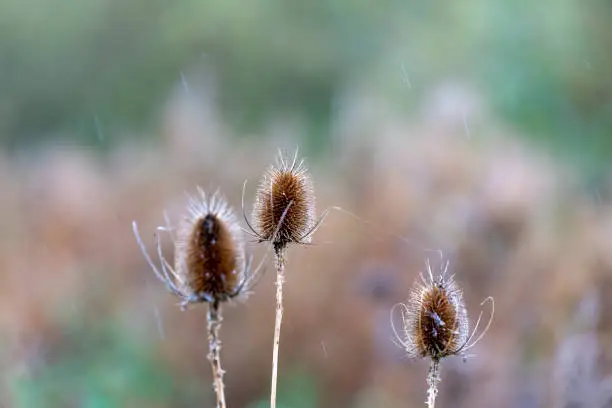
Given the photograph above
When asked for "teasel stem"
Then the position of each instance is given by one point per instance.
(214, 346)
(279, 251)
(433, 379)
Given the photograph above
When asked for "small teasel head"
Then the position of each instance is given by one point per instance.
(435, 320)
(210, 264)
(284, 210)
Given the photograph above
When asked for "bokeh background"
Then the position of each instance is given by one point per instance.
(482, 128)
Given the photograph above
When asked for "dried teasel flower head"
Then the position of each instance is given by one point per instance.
(284, 210)
(210, 263)
(435, 320)
(209, 250)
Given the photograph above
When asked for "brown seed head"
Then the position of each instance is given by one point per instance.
(210, 260)
(284, 210)
(435, 319)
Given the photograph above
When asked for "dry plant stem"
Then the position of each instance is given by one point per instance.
(214, 346)
(279, 252)
(433, 380)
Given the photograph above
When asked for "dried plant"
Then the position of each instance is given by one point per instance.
(284, 213)
(210, 266)
(436, 325)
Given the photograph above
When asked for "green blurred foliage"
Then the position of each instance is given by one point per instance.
(297, 389)
(550, 75)
(100, 366)
(67, 66)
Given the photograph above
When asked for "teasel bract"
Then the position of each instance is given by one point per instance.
(436, 325)
(284, 213)
(210, 266)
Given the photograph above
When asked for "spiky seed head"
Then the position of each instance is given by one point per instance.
(284, 210)
(210, 257)
(435, 320)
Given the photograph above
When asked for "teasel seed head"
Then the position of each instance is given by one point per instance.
(209, 250)
(210, 264)
(284, 210)
(435, 320)
(438, 322)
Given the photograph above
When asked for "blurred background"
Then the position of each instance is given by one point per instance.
(482, 128)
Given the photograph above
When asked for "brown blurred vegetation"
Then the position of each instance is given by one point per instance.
(515, 224)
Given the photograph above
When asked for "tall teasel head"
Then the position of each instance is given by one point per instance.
(435, 320)
(210, 264)
(209, 250)
(284, 210)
